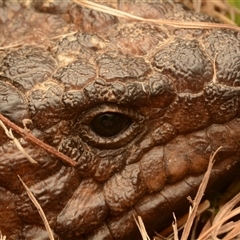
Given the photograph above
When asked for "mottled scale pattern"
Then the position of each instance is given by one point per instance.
(63, 66)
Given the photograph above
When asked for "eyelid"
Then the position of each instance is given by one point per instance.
(83, 129)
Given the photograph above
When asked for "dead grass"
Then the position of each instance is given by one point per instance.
(222, 9)
(222, 223)
(31, 138)
(174, 23)
(39, 208)
(2, 237)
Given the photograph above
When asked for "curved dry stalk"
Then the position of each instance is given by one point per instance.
(224, 214)
(2, 237)
(64, 35)
(39, 208)
(17, 143)
(175, 228)
(208, 7)
(141, 227)
(198, 198)
(234, 232)
(173, 23)
(208, 233)
(224, 211)
(10, 46)
(29, 137)
(223, 18)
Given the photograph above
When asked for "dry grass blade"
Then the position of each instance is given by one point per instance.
(224, 214)
(64, 35)
(181, 221)
(2, 237)
(17, 143)
(105, 9)
(206, 226)
(29, 137)
(224, 211)
(39, 208)
(221, 9)
(10, 46)
(235, 226)
(198, 198)
(234, 233)
(226, 228)
(119, 13)
(223, 18)
(141, 228)
(175, 228)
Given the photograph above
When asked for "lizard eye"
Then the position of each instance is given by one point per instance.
(110, 124)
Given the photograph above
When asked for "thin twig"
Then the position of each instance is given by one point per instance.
(17, 143)
(63, 35)
(233, 213)
(2, 237)
(39, 208)
(182, 220)
(175, 227)
(198, 197)
(173, 23)
(13, 45)
(141, 227)
(29, 137)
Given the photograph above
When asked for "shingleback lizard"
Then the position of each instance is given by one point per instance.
(138, 106)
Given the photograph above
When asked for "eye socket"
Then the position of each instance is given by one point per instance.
(110, 124)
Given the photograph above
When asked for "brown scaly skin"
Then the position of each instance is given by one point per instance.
(173, 114)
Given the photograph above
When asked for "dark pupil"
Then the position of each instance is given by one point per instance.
(109, 124)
